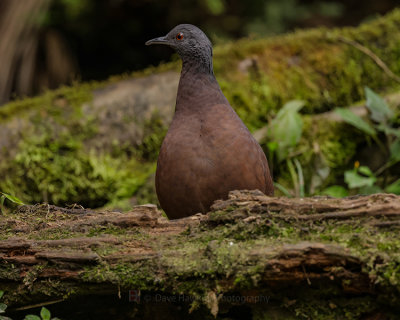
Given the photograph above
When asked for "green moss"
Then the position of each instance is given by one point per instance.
(135, 275)
(54, 163)
(51, 102)
(337, 142)
(57, 170)
(154, 133)
(290, 67)
(53, 234)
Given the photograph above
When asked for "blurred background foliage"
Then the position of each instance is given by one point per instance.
(51, 42)
(48, 43)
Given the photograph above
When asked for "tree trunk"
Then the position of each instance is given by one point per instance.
(21, 72)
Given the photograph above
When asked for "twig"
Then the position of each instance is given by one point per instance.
(39, 305)
(51, 208)
(305, 273)
(372, 55)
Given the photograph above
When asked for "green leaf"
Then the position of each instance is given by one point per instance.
(395, 150)
(272, 146)
(354, 180)
(394, 187)
(380, 111)
(3, 307)
(283, 189)
(45, 314)
(31, 317)
(301, 177)
(388, 130)
(287, 127)
(1, 294)
(336, 191)
(355, 121)
(292, 106)
(366, 171)
(11, 198)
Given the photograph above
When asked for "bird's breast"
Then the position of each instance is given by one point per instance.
(202, 141)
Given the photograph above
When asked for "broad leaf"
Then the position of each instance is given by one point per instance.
(11, 198)
(354, 180)
(366, 171)
(45, 314)
(394, 187)
(380, 111)
(292, 106)
(286, 128)
(355, 120)
(388, 130)
(336, 191)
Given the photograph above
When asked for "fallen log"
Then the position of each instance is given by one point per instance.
(251, 254)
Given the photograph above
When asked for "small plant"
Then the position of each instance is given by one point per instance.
(381, 129)
(44, 315)
(3, 308)
(285, 132)
(13, 199)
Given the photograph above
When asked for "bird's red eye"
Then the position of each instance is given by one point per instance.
(179, 36)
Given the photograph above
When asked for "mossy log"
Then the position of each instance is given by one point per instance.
(96, 143)
(250, 257)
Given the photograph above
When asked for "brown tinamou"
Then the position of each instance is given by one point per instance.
(208, 151)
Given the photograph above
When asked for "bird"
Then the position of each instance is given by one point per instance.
(207, 151)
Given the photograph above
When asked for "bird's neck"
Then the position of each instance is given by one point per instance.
(197, 89)
(197, 64)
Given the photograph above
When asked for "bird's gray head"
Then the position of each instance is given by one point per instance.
(192, 45)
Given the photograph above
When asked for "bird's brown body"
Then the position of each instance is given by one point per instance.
(207, 151)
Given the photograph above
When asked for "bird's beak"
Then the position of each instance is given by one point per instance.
(160, 40)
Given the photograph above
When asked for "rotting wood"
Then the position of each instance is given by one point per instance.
(238, 239)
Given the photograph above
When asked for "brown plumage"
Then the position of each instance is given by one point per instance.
(208, 151)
